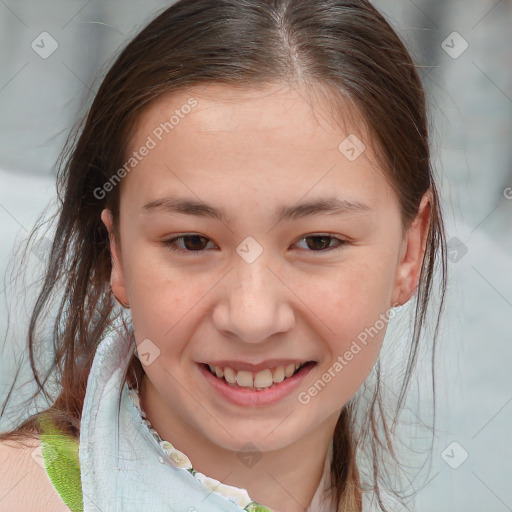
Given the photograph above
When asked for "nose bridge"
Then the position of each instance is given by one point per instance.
(254, 282)
(256, 304)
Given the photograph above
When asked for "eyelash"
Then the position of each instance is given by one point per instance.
(171, 243)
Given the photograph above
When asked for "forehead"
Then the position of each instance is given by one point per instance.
(279, 111)
(276, 140)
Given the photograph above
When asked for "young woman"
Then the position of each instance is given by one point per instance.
(253, 185)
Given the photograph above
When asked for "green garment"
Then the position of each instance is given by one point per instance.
(60, 455)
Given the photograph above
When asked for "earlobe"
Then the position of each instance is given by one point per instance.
(411, 255)
(117, 282)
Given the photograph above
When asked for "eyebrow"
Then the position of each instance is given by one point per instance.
(329, 205)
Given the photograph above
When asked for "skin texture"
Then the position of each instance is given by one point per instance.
(24, 482)
(251, 152)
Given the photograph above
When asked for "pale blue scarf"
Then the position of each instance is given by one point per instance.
(125, 468)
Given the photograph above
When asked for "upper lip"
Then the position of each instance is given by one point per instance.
(269, 363)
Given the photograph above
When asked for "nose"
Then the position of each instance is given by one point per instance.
(254, 303)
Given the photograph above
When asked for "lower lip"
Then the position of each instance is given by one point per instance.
(249, 397)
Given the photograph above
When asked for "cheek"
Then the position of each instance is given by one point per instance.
(356, 314)
(358, 293)
(354, 304)
(164, 300)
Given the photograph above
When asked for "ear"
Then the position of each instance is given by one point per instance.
(117, 281)
(411, 254)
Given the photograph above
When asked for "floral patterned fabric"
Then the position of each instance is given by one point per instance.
(180, 460)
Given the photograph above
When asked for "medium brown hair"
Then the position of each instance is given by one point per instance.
(343, 46)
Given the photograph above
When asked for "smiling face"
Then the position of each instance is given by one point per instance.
(259, 275)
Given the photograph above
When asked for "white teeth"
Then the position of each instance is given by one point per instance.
(289, 370)
(230, 375)
(278, 374)
(259, 380)
(244, 379)
(263, 379)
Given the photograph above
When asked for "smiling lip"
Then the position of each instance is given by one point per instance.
(248, 397)
(269, 363)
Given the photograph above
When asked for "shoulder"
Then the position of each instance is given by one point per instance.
(24, 482)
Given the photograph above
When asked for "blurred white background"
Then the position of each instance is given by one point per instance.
(464, 50)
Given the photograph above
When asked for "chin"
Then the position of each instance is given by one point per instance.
(247, 438)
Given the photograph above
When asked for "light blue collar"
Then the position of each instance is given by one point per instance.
(121, 468)
(125, 468)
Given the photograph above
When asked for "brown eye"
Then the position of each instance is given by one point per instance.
(322, 243)
(192, 244)
(195, 244)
